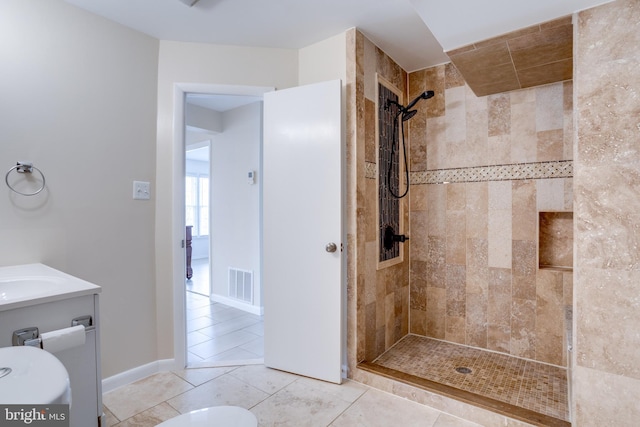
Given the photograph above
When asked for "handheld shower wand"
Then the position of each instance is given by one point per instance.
(406, 113)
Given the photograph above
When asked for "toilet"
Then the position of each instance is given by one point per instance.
(30, 375)
(219, 416)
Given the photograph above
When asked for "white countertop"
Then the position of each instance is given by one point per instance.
(31, 284)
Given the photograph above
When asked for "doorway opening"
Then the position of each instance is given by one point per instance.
(223, 150)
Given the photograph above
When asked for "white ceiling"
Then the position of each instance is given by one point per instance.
(457, 23)
(221, 103)
(404, 29)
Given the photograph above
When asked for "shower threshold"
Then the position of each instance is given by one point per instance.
(522, 389)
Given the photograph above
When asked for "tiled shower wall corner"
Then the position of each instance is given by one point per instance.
(474, 276)
(382, 295)
(607, 183)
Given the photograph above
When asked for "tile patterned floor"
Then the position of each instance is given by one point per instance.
(524, 383)
(276, 398)
(217, 333)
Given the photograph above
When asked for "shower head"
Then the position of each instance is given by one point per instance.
(407, 112)
(424, 95)
(406, 115)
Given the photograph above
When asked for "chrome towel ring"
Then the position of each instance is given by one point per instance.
(24, 167)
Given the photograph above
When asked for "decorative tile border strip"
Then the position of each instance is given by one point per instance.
(519, 171)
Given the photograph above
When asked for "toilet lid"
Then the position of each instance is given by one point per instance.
(219, 416)
(34, 376)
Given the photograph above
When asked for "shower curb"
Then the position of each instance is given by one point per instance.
(495, 406)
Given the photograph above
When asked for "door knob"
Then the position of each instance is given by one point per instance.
(331, 247)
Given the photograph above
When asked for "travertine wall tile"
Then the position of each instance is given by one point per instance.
(477, 271)
(418, 245)
(418, 320)
(525, 217)
(549, 107)
(370, 154)
(419, 200)
(550, 194)
(370, 286)
(455, 329)
(490, 227)
(524, 269)
(608, 319)
(436, 262)
(607, 179)
(453, 78)
(436, 202)
(499, 310)
(477, 209)
(550, 308)
(524, 147)
(500, 224)
(455, 120)
(456, 291)
(435, 81)
(605, 399)
(456, 238)
(436, 312)
(550, 145)
(568, 195)
(436, 134)
(477, 277)
(367, 66)
(499, 115)
(523, 326)
(499, 150)
(418, 291)
(369, 202)
(456, 197)
(416, 142)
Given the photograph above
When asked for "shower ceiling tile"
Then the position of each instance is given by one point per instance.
(546, 73)
(529, 57)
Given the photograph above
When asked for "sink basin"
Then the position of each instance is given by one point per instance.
(28, 284)
(27, 287)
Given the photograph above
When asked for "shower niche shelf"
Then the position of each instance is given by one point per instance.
(555, 241)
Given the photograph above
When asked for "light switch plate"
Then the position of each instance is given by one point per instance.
(141, 190)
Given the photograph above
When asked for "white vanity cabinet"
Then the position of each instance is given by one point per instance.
(82, 362)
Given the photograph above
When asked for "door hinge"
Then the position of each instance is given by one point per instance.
(182, 243)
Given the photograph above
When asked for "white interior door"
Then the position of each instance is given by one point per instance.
(302, 216)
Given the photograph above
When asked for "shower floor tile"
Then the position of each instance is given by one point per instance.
(523, 383)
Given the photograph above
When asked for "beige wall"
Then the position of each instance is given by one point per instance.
(323, 61)
(606, 379)
(78, 98)
(474, 243)
(202, 64)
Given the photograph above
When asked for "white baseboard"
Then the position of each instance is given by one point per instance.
(253, 309)
(135, 374)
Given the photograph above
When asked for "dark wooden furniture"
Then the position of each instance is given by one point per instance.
(189, 249)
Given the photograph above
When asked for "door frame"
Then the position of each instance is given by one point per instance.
(180, 91)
